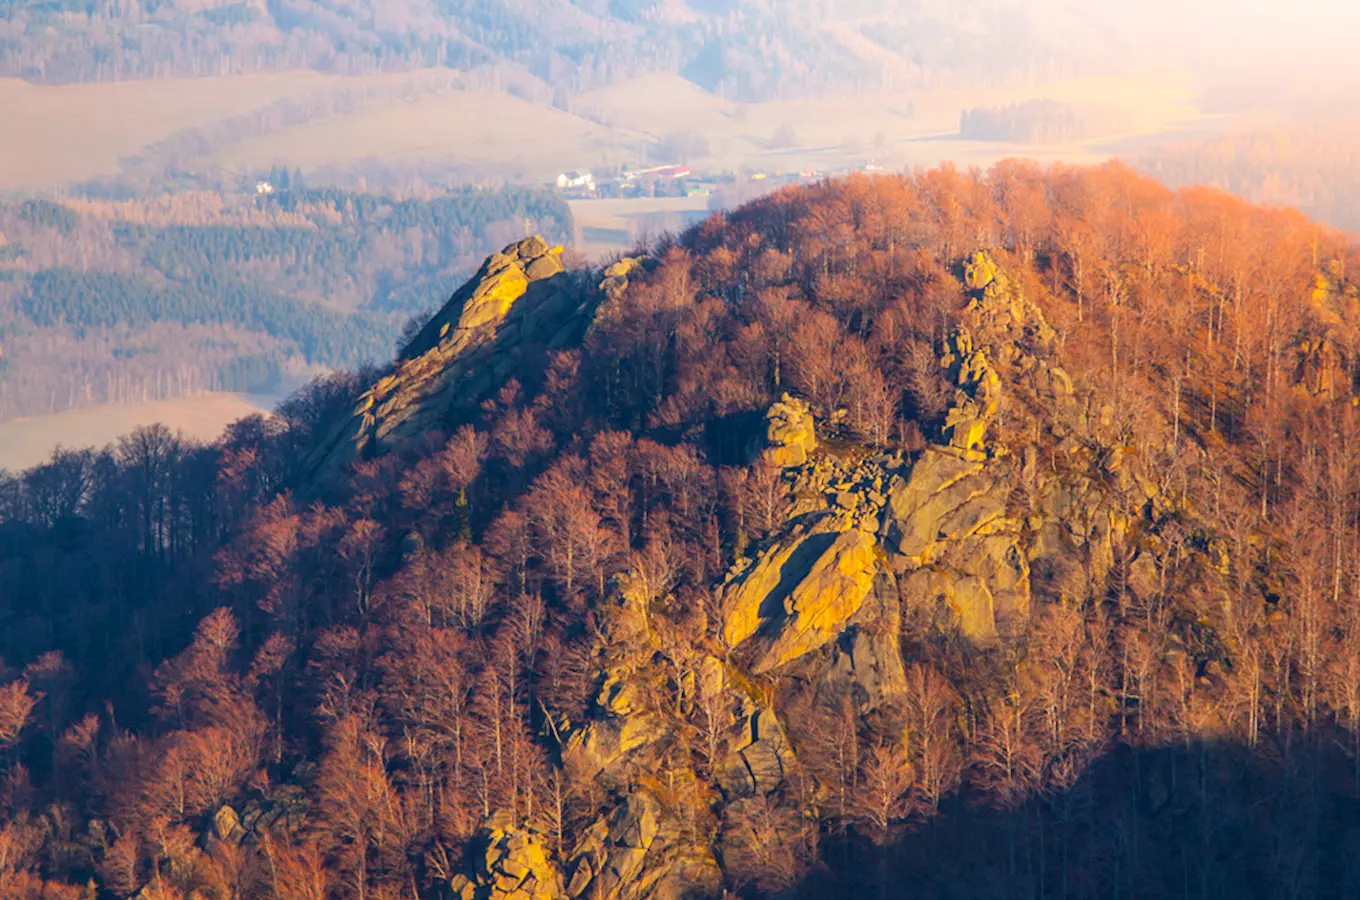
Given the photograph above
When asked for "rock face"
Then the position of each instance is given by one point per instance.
(762, 758)
(956, 537)
(799, 596)
(790, 433)
(639, 852)
(640, 849)
(624, 725)
(1323, 354)
(520, 303)
(949, 528)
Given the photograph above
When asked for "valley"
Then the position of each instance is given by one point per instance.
(228, 128)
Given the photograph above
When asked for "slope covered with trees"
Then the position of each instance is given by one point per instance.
(744, 49)
(991, 535)
(1311, 162)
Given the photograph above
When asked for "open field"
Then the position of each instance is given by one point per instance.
(28, 442)
(482, 130)
(58, 134)
(418, 118)
(624, 122)
(892, 129)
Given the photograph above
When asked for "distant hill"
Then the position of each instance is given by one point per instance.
(106, 301)
(742, 49)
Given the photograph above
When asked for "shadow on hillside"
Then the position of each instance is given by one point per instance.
(1205, 820)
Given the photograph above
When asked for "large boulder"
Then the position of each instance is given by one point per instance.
(799, 595)
(226, 826)
(979, 271)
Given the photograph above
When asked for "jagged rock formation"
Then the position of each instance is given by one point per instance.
(521, 302)
(790, 433)
(513, 864)
(640, 851)
(814, 616)
(520, 296)
(1323, 354)
(945, 530)
(952, 527)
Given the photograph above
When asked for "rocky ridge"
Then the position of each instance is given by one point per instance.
(521, 303)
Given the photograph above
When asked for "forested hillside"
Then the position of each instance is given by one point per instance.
(117, 301)
(1309, 162)
(964, 535)
(742, 48)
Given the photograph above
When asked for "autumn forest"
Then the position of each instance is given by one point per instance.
(963, 534)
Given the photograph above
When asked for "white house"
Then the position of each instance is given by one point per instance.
(569, 180)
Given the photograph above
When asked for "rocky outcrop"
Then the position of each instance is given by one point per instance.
(519, 298)
(520, 304)
(790, 433)
(978, 395)
(622, 726)
(814, 617)
(956, 537)
(1324, 352)
(640, 852)
(951, 536)
(618, 274)
(953, 531)
(226, 826)
(509, 863)
(1009, 331)
(610, 744)
(285, 806)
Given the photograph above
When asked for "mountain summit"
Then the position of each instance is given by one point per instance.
(975, 535)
